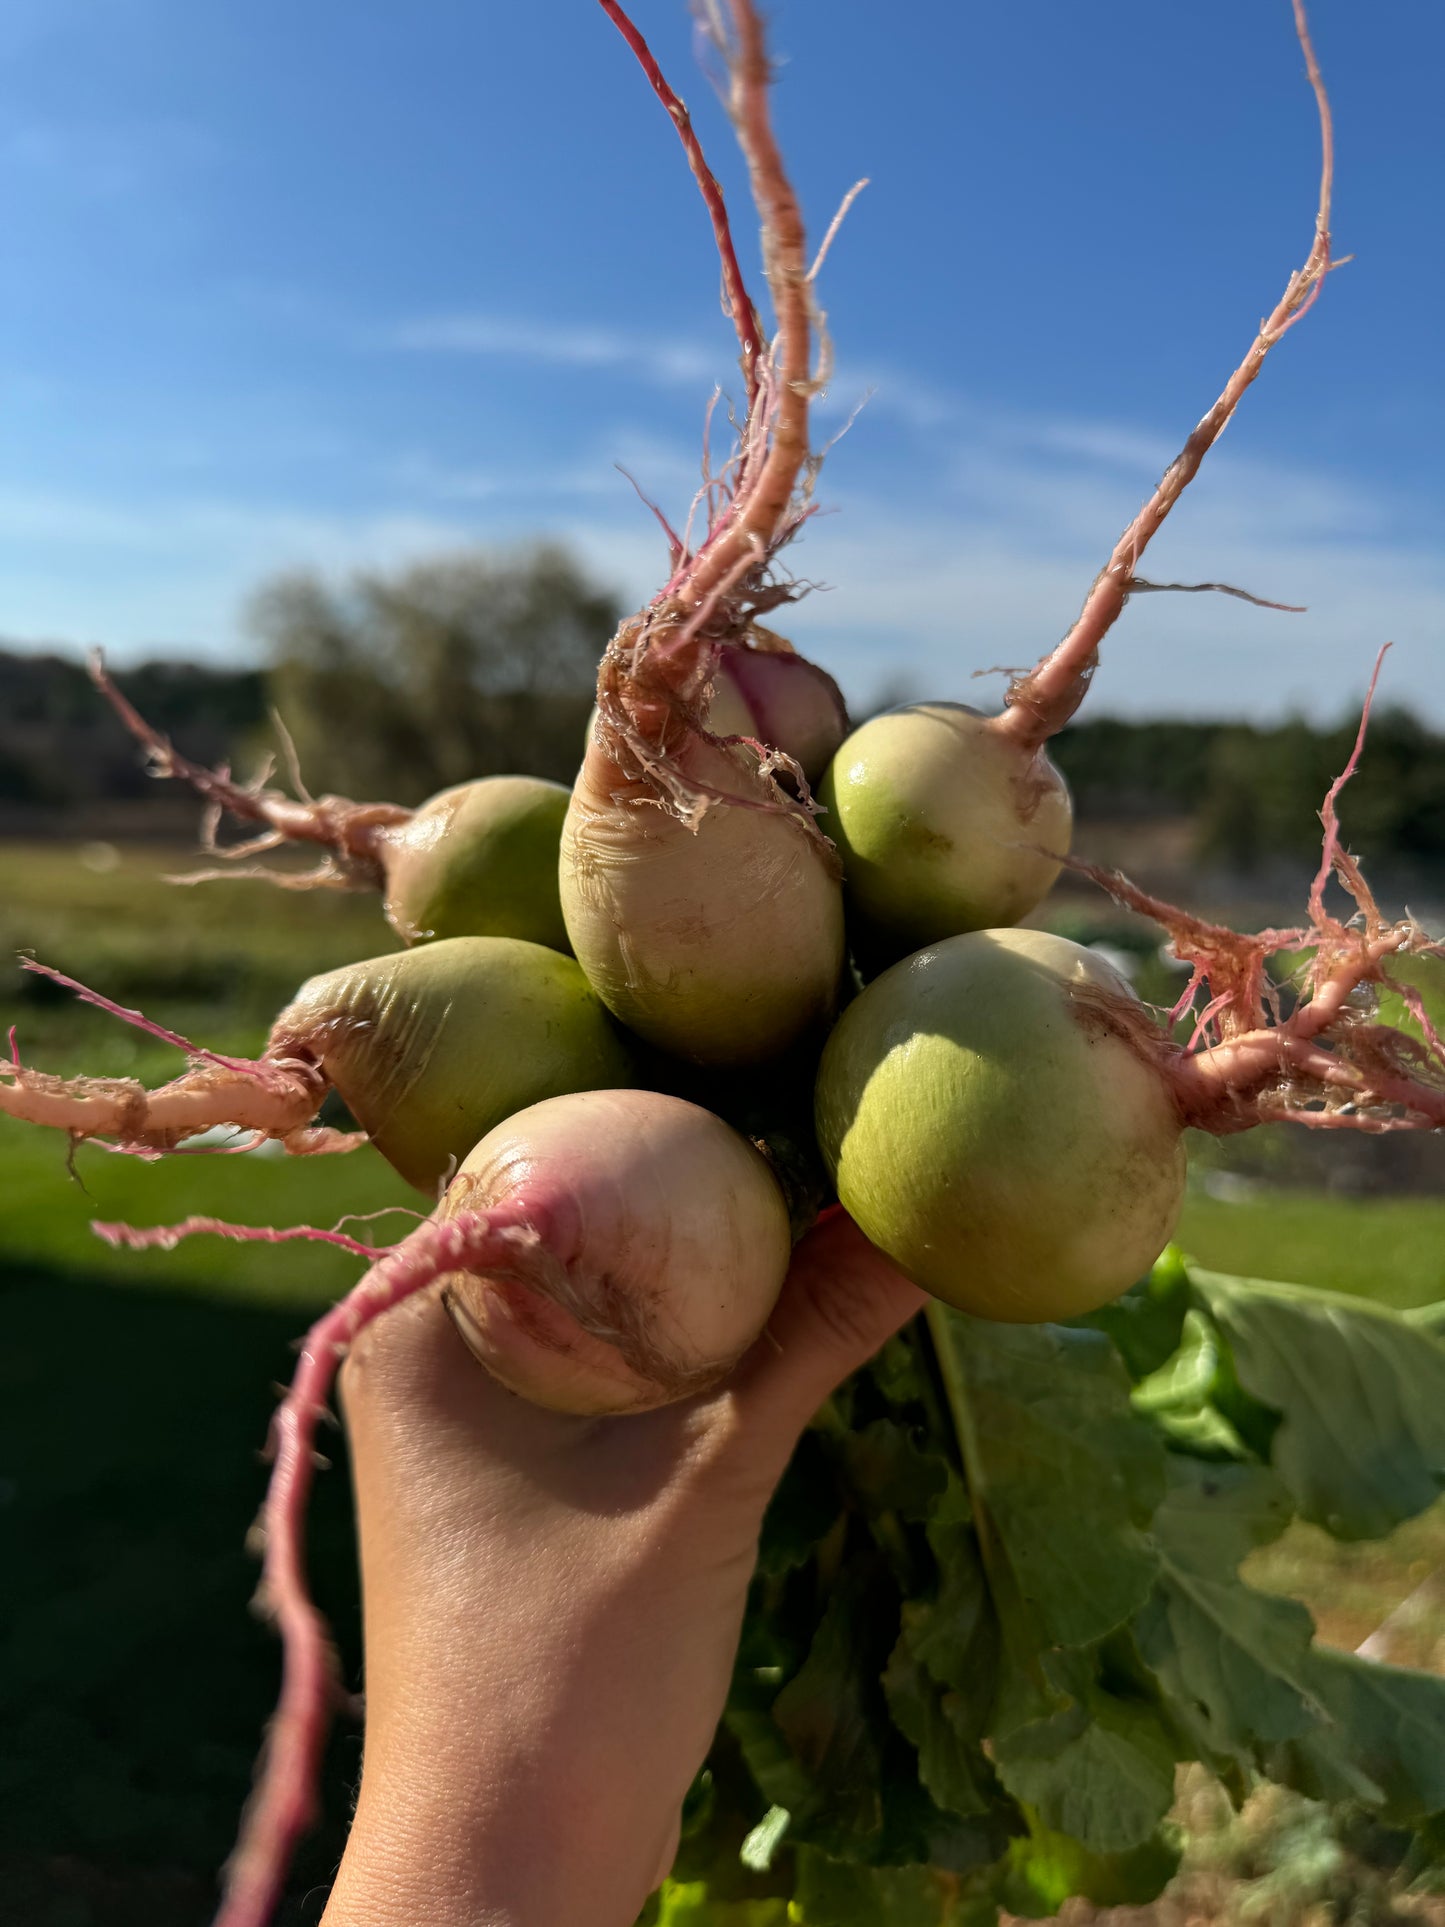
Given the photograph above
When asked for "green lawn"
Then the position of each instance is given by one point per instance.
(215, 962)
(1391, 1249)
(47, 1212)
(135, 1392)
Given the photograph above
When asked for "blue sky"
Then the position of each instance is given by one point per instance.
(338, 286)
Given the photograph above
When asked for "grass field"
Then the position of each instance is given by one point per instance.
(135, 1391)
(1390, 1249)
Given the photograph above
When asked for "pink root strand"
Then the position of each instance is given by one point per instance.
(737, 302)
(750, 530)
(1041, 702)
(350, 832)
(165, 1237)
(285, 1802)
(1327, 1064)
(136, 1019)
(756, 512)
(654, 684)
(1333, 858)
(267, 1097)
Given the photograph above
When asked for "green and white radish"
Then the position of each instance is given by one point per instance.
(432, 1047)
(718, 939)
(476, 860)
(948, 821)
(943, 826)
(992, 1123)
(700, 897)
(428, 1048)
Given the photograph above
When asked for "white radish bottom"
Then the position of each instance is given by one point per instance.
(661, 1244)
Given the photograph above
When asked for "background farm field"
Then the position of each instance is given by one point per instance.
(135, 1390)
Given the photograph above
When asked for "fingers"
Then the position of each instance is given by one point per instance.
(842, 1300)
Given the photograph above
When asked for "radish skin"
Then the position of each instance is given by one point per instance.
(942, 826)
(721, 943)
(765, 689)
(429, 1048)
(432, 1047)
(990, 1128)
(478, 860)
(647, 1290)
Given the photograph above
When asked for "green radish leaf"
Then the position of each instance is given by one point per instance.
(954, 1633)
(802, 1511)
(945, 1729)
(889, 1471)
(1184, 1381)
(1383, 1741)
(779, 1777)
(918, 1832)
(1100, 1769)
(760, 1847)
(1202, 1433)
(1427, 1318)
(831, 1893)
(720, 1817)
(1179, 1396)
(1360, 1393)
(994, 1611)
(818, 1750)
(1066, 1472)
(1147, 1323)
(690, 1904)
(1046, 1869)
(1236, 1664)
(894, 1371)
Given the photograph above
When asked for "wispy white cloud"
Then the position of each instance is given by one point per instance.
(878, 388)
(978, 555)
(929, 597)
(655, 360)
(1103, 444)
(614, 466)
(176, 574)
(666, 362)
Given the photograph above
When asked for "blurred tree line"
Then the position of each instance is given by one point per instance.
(396, 685)
(390, 685)
(60, 746)
(469, 665)
(1254, 793)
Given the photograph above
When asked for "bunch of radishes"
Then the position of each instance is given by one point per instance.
(597, 990)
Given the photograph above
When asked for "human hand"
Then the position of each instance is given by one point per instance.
(552, 1604)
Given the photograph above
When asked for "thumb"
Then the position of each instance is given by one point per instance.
(841, 1301)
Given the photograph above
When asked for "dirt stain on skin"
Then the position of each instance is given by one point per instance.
(918, 839)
